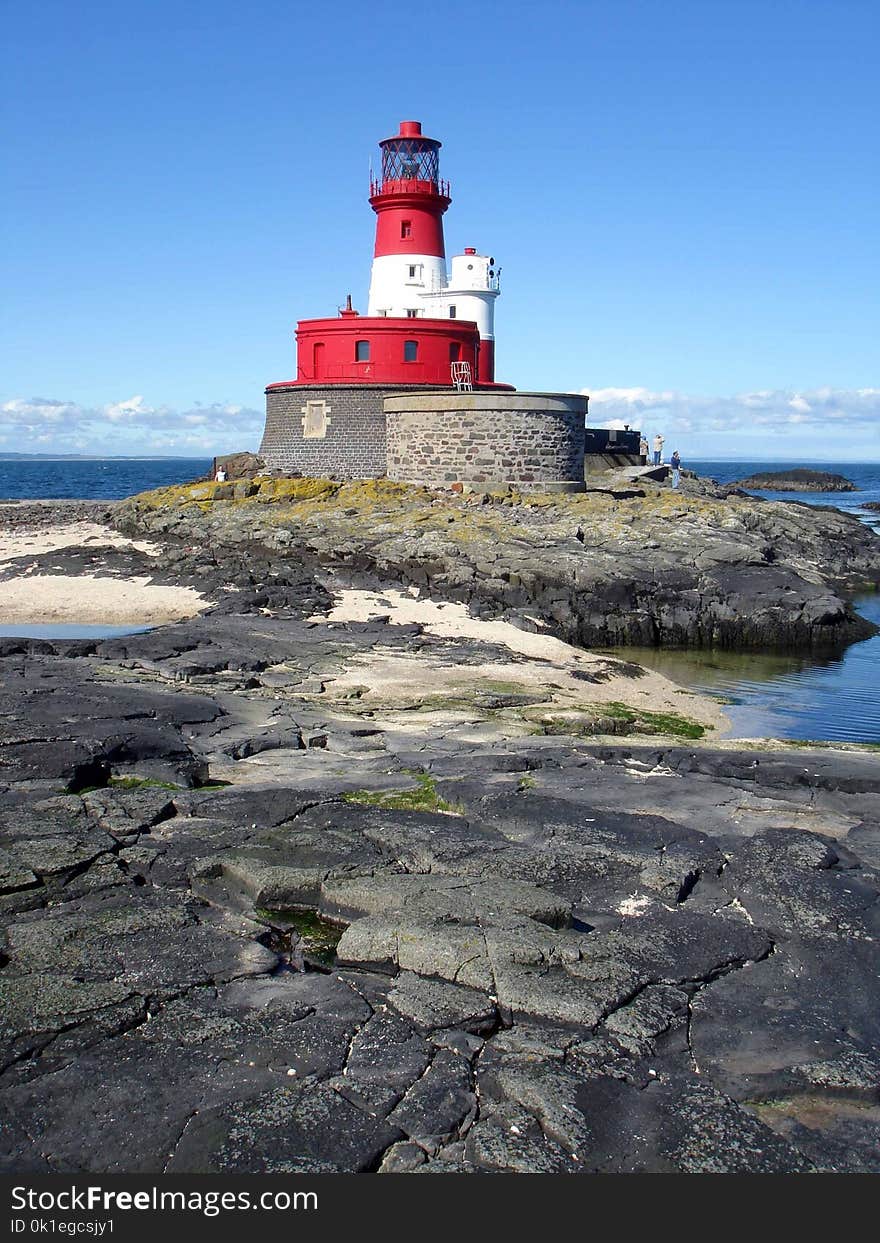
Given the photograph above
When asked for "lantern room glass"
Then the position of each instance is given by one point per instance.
(410, 159)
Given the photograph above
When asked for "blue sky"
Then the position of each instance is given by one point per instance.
(682, 195)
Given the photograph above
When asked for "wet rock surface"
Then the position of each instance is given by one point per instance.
(701, 566)
(258, 918)
(38, 515)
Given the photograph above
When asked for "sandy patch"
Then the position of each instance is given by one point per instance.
(15, 544)
(86, 599)
(551, 667)
(449, 620)
(94, 601)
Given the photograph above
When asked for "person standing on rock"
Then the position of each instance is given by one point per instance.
(658, 449)
(675, 463)
(643, 450)
(220, 477)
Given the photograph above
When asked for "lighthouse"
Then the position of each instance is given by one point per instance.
(409, 277)
(422, 327)
(408, 390)
(409, 200)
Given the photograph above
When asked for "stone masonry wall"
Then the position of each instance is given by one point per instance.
(327, 431)
(529, 439)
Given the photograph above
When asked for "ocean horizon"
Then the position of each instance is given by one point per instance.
(113, 478)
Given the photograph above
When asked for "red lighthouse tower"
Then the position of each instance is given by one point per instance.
(409, 199)
(422, 326)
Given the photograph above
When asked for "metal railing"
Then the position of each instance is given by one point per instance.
(404, 185)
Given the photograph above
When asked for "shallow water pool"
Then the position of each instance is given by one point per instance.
(830, 699)
(68, 631)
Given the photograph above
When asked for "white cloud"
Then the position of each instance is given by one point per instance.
(629, 398)
(130, 410)
(826, 420)
(765, 410)
(130, 426)
(38, 412)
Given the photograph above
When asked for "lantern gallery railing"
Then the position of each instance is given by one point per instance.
(403, 185)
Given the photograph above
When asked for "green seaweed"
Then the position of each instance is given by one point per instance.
(818, 744)
(140, 783)
(305, 932)
(423, 797)
(633, 721)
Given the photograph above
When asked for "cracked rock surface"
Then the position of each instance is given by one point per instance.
(413, 942)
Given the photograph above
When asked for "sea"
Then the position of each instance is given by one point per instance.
(94, 479)
(827, 699)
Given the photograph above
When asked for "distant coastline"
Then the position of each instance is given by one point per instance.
(95, 457)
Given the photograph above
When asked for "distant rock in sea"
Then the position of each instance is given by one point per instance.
(870, 505)
(798, 480)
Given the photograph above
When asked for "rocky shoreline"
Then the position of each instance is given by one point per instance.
(624, 564)
(342, 875)
(798, 480)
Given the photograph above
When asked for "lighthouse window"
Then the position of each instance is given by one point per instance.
(452, 312)
(412, 315)
(412, 271)
(406, 228)
(362, 351)
(410, 351)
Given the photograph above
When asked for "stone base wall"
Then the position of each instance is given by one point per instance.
(329, 431)
(532, 440)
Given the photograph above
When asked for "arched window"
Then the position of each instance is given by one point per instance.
(361, 351)
(410, 351)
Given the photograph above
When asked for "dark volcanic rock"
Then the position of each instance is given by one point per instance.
(557, 978)
(798, 480)
(53, 729)
(242, 465)
(663, 569)
(37, 515)
(384, 940)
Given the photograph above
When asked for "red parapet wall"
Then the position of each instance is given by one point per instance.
(360, 349)
(409, 219)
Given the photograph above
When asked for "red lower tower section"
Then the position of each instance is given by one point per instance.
(357, 349)
(360, 349)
